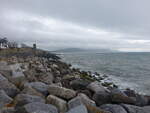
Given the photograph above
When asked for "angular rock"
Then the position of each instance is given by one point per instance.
(102, 98)
(118, 96)
(79, 100)
(46, 78)
(10, 89)
(113, 108)
(2, 78)
(141, 100)
(61, 92)
(37, 107)
(133, 109)
(18, 78)
(59, 103)
(39, 86)
(30, 91)
(146, 109)
(4, 99)
(78, 109)
(79, 84)
(94, 109)
(23, 99)
(97, 87)
(7, 110)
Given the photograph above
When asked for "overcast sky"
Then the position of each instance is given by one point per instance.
(54, 24)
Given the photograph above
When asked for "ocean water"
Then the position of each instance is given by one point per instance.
(128, 70)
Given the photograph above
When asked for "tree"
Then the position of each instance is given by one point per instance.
(3, 42)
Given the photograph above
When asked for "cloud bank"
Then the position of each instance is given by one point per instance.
(55, 24)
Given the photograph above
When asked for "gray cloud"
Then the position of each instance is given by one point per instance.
(54, 24)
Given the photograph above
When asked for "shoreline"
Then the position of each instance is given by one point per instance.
(45, 81)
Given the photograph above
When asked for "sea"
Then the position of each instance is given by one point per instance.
(127, 70)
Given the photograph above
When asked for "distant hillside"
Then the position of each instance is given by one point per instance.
(73, 50)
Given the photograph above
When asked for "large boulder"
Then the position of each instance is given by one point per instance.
(39, 86)
(79, 84)
(133, 109)
(18, 78)
(23, 99)
(79, 100)
(102, 98)
(37, 107)
(146, 109)
(78, 109)
(141, 100)
(61, 92)
(59, 103)
(94, 109)
(113, 108)
(31, 91)
(7, 110)
(118, 96)
(97, 87)
(10, 89)
(4, 99)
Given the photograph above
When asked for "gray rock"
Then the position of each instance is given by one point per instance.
(97, 87)
(30, 91)
(78, 109)
(146, 109)
(39, 86)
(118, 96)
(4, 99)
(79, 100)
(102, 98)
(113, 108)
(2, 78)
(37, 107)
(133, 109)
(61, 92)
(7, 110)
(141, 100)
(94, 109)
(23, 99)
(10, 89)
(79, 84)
(59, 103)
(18, 78)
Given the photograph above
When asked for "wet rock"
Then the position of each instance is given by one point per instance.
(10, 89)
(37, 107)
(61, 92)
(78, 109)
(97, 87)
(102, 98)
(4, 99)
(59, 103)
(79, 84)
(39, 86)
(113, 108)
(79, 100)
(133, 109)
(118, 96)
(23, 99)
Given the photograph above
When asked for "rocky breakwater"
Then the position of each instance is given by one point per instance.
(43, 85)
